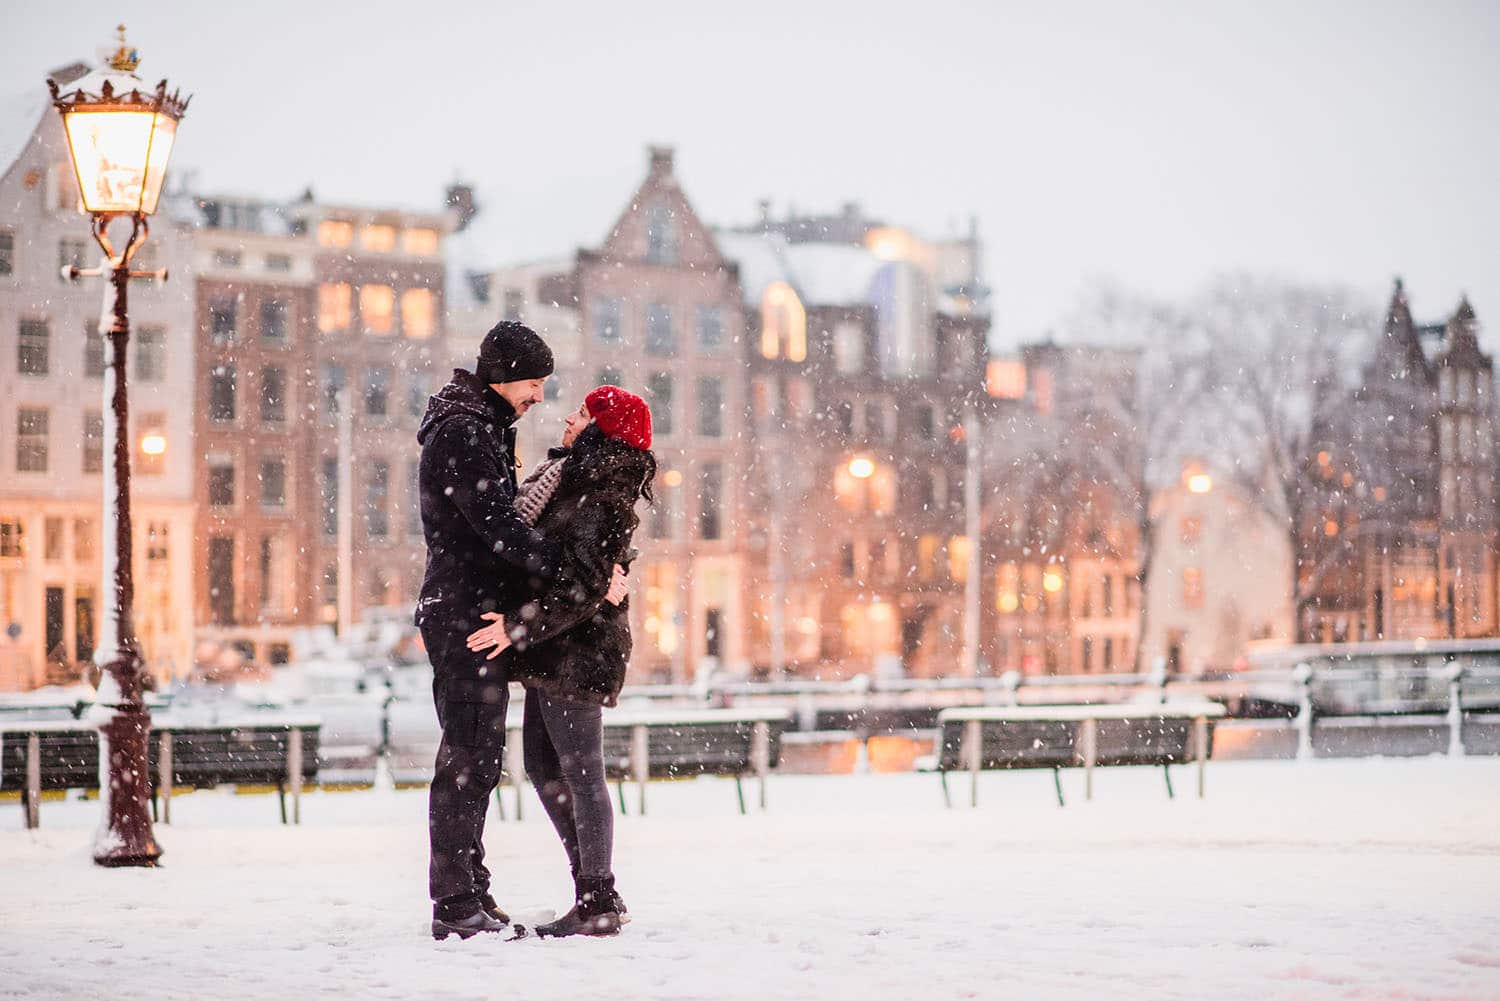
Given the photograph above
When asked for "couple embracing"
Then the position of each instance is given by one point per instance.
(525, 583)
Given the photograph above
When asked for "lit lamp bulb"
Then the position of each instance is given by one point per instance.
(861, 468)
(154, 444)
(672, 477)
(1052, 581)
(1200, 483)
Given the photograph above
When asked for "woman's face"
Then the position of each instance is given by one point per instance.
(576, 422)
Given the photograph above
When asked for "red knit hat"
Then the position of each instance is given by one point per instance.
(621, 415)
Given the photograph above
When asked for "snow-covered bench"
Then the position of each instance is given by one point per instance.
(976, 738)
(39, 755)
(640, 745)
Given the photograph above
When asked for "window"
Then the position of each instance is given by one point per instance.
(783, 324)
(69, 254)
(377, 392)
(278, 262)
(846, 560)
(1192, 587)
(843, 418)
(151, 444)
(158, 542)
(377, 489)
(379, 238)
(661, 235)
(221, 318)
(417, 396)
(221, 483)
(12, 539)
(376, 308)
(660, 339)
(272, 395)
(33, 348)
(83, 622)
(31, 440)
(515, 304)
(272, 483)
(221, 393)
(84, 537)
(335, 307)
(221, 579)
(663, 513)
(610, 376)
(414, 499)
(925, 425)
(710, 406)
(848, 348)
(333, 388)
(7, 252)
(151, 353)
(227, 258)
(329, 496)
(710, 484)
(273, 319)
(420, 241)
(417, 313)
(54, 539)
(875, 425)
(607, 319)
(659, 396)
(1107, 596)
(710, 328)
(93, 441)
(335, 233)
(93, 350)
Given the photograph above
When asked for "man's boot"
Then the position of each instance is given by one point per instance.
(479, 921)
(593, 911)
(488, 905)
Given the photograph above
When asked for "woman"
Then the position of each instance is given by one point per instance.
(570, 648)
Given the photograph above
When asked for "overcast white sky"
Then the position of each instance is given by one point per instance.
(1153, 144)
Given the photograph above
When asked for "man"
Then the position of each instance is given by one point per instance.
(481, 557)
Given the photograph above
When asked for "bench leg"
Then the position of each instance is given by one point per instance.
(154, 818)
(620, 785)
(947, 796)
(1166, 771)
(739, 787)
(1057, 783)
(281, 795)
(500, 800)
(33, 790)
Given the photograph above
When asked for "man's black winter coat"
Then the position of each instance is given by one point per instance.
(481, 557)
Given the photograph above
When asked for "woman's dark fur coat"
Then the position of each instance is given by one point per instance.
(571, 643)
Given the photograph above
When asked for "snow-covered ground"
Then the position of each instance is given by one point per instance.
(1328, 879)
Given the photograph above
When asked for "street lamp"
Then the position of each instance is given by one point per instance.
(120, 136)
(861, 467)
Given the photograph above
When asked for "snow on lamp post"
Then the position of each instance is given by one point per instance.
(120, 135)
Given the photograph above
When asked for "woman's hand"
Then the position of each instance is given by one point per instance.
(619, 587)
(492, 635)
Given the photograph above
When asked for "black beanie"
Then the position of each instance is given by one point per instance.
(512, 352)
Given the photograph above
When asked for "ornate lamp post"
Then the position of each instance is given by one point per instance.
(120, 137)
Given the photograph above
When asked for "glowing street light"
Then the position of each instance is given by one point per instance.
(120, 135)
(861, 468)
(1200, 483)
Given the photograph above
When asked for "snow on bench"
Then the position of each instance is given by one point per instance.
(251, 750)
(1003, 737)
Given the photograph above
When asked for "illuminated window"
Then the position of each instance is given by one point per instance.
(927, 556)
(417, 313)
(1008, 588)
(377, 305)
(1192, 587)
(420, 241)
(1005, 379)
(783, 324)
(335, 233)
(378, 237)
(660, 619)
(335, 307)
(151, 444)
(958, 558)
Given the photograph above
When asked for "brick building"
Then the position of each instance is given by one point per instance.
(1398, 525)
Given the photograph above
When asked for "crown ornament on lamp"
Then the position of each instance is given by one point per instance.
(120, 134)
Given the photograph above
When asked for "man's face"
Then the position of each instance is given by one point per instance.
(522, 395)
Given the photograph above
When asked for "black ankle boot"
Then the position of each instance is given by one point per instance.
(488, 905)
(594, 910)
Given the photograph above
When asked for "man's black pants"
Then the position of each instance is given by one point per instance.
(472, 715)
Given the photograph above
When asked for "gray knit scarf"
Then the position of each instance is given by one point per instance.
(536, 491)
